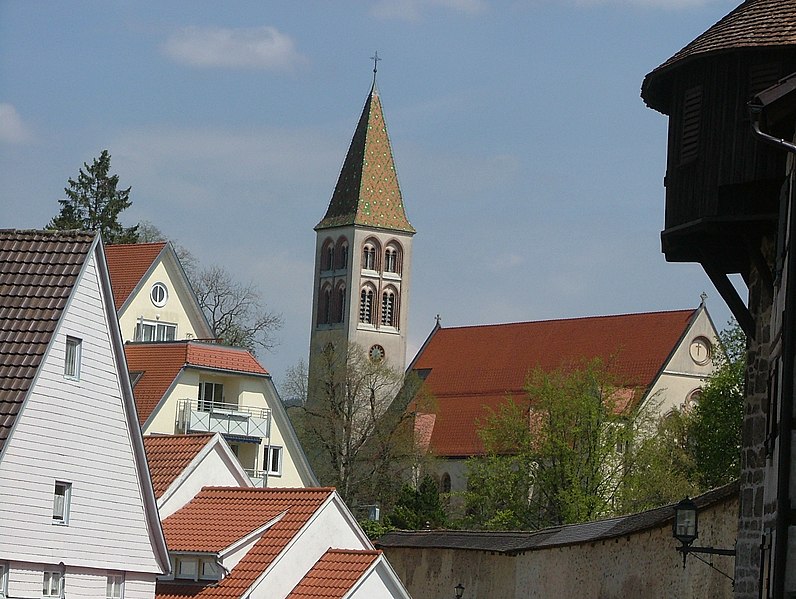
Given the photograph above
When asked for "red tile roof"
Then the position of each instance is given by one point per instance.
(334, 574)
(162, 362)
(38, 270)
(219, 516)
(128, 263)
(470, 369)
(169, 455)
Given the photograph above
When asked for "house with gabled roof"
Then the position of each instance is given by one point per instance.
(77, 508)
(153, 297)
(190, 386)
(660, 357)
(180, 465)
(230, 543)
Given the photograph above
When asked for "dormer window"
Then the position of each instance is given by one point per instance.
(196, 567)
(159, 294)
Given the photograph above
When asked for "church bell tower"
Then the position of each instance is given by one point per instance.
(363, 251)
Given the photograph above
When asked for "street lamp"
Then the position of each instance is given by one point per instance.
(685, 529)
(458, 590)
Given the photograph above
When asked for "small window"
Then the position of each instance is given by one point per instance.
(159, 294)
(210, 570)
(146, 330)
(61, 499)
(72, 358)
(273, 460)
(114, 586)
(187, 568)
(369, 258)
(53, 585)
(3, 579)
(211, 396)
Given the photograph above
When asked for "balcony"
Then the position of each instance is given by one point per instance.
(195, 416)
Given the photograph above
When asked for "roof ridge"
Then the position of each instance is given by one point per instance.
(574, 318)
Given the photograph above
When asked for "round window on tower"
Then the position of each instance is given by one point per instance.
(159, 294)
(376, 353)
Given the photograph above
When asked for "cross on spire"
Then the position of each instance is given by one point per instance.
(375, 58)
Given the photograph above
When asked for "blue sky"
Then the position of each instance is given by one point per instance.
(529, 166)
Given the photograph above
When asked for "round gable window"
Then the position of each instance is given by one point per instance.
(159, 294)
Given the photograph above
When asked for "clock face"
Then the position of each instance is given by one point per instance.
(376, 353)
(700, 350)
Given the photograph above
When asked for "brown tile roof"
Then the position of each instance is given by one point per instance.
(169, 455)
(367, 191)
(753, 24)
(127, 264)
(334, 574)
(38, 270)
(470, 369)
(219, 516)
(160, 364)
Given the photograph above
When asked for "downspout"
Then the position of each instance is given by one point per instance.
(788, 354)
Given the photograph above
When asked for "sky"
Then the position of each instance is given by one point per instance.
(529, 165)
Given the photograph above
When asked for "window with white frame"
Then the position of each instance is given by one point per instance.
(152, 330)
(52, 585)
(3, 579)
(159, 294)
(273, 460)
(62, 496)
(191, 567)
(72, 358)
(113, 586)
(211, 396)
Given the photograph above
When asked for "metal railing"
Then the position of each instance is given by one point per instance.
(194, 415)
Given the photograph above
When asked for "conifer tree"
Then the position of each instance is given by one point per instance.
(93, 203)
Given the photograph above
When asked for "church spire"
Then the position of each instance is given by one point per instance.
(367, 191)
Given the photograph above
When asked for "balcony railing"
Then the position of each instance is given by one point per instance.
(195, 415)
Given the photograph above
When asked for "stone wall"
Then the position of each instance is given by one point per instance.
(642, 564)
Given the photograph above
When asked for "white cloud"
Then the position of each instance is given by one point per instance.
(246, 48)
(412, 10)
(12, 129)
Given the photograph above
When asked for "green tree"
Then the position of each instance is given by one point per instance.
(556, 456)
(349, 414)
(93, 203)
(717, 419)
(417, 508)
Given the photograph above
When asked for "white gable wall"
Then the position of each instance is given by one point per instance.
(332, 526)
(681, 375)
(76, 432)
(380, 582)
(25, 580)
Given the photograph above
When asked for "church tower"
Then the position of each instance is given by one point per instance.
(363, 251)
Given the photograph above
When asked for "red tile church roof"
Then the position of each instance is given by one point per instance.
(127, 264)
(469, 369)
(160, 364)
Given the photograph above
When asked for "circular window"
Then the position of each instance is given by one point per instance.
(700, 350)
(159, 294)
(376, 353)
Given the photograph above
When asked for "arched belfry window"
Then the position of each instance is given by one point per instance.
(371, 252)
(325, 306)
(366, 305)
(342, 253)
(389, 308)
(327, 255)
(340, 306)
(392, 258)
